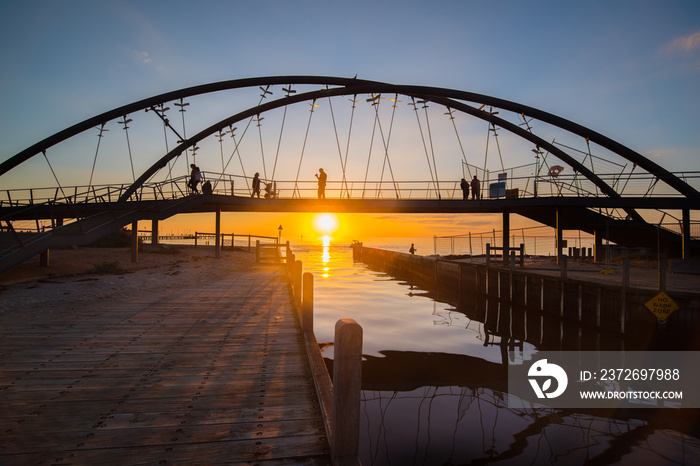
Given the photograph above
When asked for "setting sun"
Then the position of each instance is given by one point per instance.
(325, 224)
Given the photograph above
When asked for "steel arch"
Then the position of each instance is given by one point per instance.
(350, 86)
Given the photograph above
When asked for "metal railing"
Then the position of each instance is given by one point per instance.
(632, 185)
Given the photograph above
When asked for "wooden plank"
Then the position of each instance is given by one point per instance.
(217, 374)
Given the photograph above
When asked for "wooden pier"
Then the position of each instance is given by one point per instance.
(206, 375)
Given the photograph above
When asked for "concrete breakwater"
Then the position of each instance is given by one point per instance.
(524, 302)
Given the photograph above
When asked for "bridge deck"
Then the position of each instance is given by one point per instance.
(210, 374)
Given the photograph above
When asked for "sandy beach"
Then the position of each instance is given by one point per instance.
(90, 276)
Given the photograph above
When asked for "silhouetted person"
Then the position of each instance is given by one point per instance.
(464, 184)
(413, 249)
(321, 183)
(195, 178)
(256, 185)
(476, 190)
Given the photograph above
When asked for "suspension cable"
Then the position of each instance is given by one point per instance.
(262, 150)
(459, 140)
(54, 175)
(432, 149)
(303, 148)
(425, 147)
(94, 162)
(126, 122)
(340, 152)
(182, 104)
(387, 161)
(279, 142)
(347, 146)
(369, 155)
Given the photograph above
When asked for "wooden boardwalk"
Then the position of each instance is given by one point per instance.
(209, 375)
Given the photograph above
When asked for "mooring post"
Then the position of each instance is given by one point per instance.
(154, 232)
(563, 267)
(290, 265)
(44, 258)
(217, 242)
(297, 282)
(488, 254)
(506, 237)
(257, 250)
(307, 303)
(134, 241)
(625, 286)
(347, 384)
(662, 273)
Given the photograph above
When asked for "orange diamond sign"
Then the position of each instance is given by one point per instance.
(661, 305)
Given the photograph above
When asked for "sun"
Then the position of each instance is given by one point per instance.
(326, 224)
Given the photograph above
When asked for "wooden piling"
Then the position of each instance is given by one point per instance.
(307, 303)
(347, 384)
(297, 282)
(135, 242)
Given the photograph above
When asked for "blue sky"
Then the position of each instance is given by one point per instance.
(610, 65)
(628, 69)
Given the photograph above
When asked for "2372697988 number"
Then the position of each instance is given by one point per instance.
(639, 374)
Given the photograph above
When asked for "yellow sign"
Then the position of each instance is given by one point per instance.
(661, 305)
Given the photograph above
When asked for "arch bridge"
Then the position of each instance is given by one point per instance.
(387, 148)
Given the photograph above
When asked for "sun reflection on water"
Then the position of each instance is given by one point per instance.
(326, 255)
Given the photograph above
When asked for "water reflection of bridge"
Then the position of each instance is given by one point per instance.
(387, 148)
(454, 407)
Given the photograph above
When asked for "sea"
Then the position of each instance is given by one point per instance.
(423, 403)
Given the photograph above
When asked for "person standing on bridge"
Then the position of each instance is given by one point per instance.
(476, 188)
(195, 178)
(464, 184)
(321, 183)
(256, 185)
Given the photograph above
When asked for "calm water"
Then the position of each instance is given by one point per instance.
(434, 387)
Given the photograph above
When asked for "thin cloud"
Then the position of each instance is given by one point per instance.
(142, 56)
(685, 44)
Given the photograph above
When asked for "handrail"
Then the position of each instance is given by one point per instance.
(569, 185)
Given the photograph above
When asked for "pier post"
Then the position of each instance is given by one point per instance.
(597, 246)
(347, 384)
(134, 241)
(44, 258)
(686, 234)
(506, 238)
(564, 268)
(488, 254)
(154, 232)
(625, 286)
(297, 282)
(257, 250)
(662, 273)
(217, 241)
(560, 236)
(307, 303)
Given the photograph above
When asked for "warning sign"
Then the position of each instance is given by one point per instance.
(661, 305)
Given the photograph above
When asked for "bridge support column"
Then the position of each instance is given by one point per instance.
(135, 242)
(44, 258)
(560, 236)
(598, 246)
(217, 254)
(154, 232)
(686, 234)
(506, 238)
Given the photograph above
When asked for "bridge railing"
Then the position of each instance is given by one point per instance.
(631, 185)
